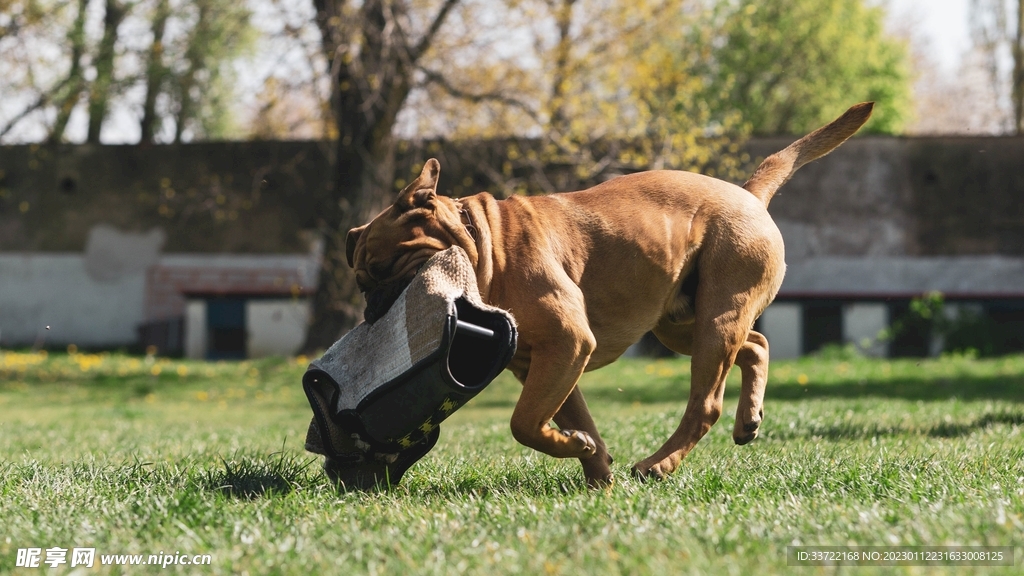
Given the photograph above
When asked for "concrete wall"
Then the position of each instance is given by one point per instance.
(276, 327)
(781, 323)
(863, 323)
(964, 277)
(878, 218)
(56, 290)
(100, 298)
(195, 329)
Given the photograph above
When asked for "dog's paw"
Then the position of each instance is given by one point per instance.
(583, 441)
(656, 469)
(747, 432)
(644, 473)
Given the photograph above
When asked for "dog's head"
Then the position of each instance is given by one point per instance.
(387, 252)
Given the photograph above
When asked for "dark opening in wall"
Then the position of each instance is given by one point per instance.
(1008, 318)
(991, 328)
(225, 322)
(68, 185)
(166, 335)
(822, 324)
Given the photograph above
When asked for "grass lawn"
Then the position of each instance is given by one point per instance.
(130, 455)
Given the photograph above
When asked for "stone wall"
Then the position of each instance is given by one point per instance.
(874, 196)
(880, 196)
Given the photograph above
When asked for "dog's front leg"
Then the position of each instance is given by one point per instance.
(574, 415)
(557, 360)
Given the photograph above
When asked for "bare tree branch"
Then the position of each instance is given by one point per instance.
(437, 78)
(42, 101)
(435, 27)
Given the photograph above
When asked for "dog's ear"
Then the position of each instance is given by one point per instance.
(350, 244)
(423, 189)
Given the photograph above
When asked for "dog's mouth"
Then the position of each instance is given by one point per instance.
(382, 297)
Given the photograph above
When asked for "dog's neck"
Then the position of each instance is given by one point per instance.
(467, 222)
(472, 210)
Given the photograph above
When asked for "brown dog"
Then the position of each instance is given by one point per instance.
(587, 273)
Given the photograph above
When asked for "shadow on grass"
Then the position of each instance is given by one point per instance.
(254, 476)
(925, 388)
(855, 431)
(962, 387)
(957, 429)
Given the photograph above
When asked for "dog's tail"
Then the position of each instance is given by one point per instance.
(778, 168)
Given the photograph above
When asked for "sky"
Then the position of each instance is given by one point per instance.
(943, 22)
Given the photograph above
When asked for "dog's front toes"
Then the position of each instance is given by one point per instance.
(642, 473)
(585, 443)
(744, 433)
(658, 469)
(748, 434)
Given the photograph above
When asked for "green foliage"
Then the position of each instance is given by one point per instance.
(201, 78)
(110, 451)
(967, 330)
(789, 66)
(838, 352)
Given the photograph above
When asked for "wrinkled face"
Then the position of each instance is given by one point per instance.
(387, 252)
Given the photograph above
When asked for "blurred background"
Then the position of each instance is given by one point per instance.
(179, 175)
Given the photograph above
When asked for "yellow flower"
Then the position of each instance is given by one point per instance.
(802, 379)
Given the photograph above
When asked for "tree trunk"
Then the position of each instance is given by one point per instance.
(155, 73)
(99, 93)
(196, 57)
(67, 103)
(557, 119)
(1018, 72)
(369, 88)
(338, 304)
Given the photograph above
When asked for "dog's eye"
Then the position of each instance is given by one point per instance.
(381, 271)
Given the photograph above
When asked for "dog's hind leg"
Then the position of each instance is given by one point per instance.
(574, 415)
(726, 307)
(752, 359)
(713, 353)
